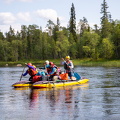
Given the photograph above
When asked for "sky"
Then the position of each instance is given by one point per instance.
(28, 12)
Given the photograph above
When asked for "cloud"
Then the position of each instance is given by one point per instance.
(9, 1)
(5, 28)
(47, 14)
(7, 18)
(37, 17)
(24, 16)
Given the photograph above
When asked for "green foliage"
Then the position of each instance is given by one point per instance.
(105, 22)
(116, 38)
(45, 47)
(62, 44)
(84, 26)
(1, 50)
(107, 48)
(90, 44)
(31, 43)
(87, 51)
(72, 23)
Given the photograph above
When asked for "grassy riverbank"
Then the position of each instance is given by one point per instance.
(77, 62)
(105, 63)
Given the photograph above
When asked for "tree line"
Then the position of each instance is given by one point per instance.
(78, 42)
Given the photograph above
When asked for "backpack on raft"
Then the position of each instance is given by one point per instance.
(63, 76)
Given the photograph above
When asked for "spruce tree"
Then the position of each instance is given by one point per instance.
(105, 24)
(72, 23)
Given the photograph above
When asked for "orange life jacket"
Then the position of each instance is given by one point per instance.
(32, 72)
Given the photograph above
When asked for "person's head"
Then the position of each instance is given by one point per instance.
(51, 64)
(29, 64)
(46, 62)
(67, 57)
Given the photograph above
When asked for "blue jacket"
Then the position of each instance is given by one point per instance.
(53, 70)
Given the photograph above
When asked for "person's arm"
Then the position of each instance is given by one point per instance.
(72, 66)
(24, 74)
(31, 67)
(63, 61)
(53, 71)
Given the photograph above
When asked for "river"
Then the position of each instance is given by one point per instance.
(99, 99)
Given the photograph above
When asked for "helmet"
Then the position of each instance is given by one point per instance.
(47, 62)
(29, 64)
(67, 57)
(51, 63)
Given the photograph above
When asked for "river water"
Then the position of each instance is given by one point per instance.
(97, 100)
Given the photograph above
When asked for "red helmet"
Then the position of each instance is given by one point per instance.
(29, 64)
(51, 64)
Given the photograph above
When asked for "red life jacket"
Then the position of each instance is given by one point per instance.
(48, 70)
(32, 72)
(36, 78)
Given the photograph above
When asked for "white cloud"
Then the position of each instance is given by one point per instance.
(24, 16)
(9, 1)
(39, 17)
(47, 14)
(7, 18)
(5, 28)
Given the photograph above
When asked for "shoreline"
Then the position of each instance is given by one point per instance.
(77, 62)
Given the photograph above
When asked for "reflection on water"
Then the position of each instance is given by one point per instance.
(34, 98)
(54, 95)
(96, 100)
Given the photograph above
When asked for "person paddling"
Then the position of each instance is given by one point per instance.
(68, 66)
(32, 71)
(52, 71)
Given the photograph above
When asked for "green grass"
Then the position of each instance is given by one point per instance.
(77, 62)
(101, 62)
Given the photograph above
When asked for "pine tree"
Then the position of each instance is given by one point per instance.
(72, 23)
(105, 24)
(56, 29)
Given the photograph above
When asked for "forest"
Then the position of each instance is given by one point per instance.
(58, 41)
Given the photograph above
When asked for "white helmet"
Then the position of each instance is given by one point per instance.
(47, 62)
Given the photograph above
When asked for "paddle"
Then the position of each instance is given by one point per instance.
(77, 76)
(22, 72)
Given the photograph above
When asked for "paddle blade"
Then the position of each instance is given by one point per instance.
(77, 76)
